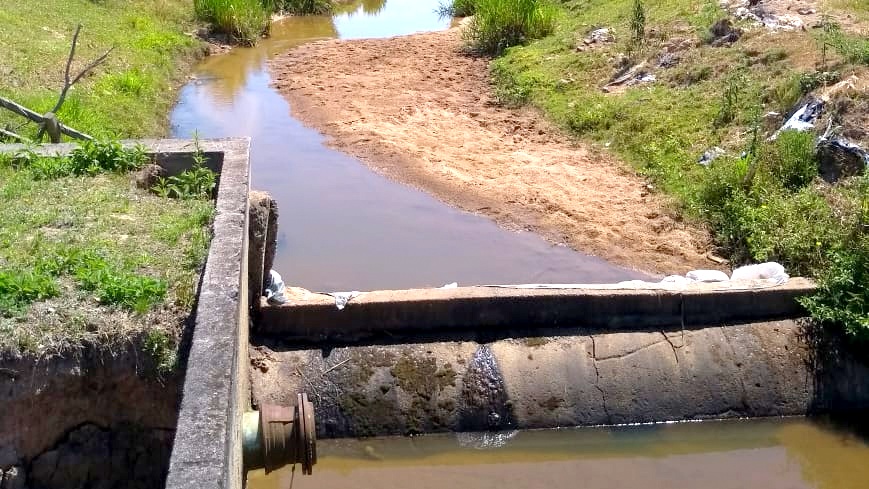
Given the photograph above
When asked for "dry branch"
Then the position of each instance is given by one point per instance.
(39, 119)
(69, 82)
(10, 134)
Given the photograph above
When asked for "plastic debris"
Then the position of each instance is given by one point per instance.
(603, 34)
(275, 289)
(840, 158)
(803, 119)
(707, 276)
(342, 298)
(711, 155)
(770, 271)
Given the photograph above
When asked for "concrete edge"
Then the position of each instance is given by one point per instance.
(207, 447)
(314, 317)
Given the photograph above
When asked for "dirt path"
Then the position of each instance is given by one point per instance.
(422, 113)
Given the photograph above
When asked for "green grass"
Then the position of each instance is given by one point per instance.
(86, 257)
(499, 24)
(244, 20)
(766, 205)
(128, 96)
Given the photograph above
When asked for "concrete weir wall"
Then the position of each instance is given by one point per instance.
(93, 420)
(493, 359)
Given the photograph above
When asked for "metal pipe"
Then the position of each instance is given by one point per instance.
(276, 436)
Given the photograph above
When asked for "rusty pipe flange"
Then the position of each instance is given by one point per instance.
(287, 435)
(307, 429)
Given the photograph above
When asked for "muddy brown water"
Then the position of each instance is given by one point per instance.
(744, 454)
(343, 226)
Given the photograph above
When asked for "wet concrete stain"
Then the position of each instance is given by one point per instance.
(484, 399)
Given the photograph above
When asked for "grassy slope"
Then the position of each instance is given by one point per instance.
(130, 95)
(661, 129)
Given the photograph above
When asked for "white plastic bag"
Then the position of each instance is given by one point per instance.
(771, 271)
(707, 276)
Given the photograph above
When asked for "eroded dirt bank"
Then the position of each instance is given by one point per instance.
(418, 110)
(97, 418)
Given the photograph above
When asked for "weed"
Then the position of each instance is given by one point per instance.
(244, 20)
(162, 349)
(842, 299)
(89, 158)
(93, 157)
(19, 288)
(855, 49)
(730, 97)
(500, 24)
(638, 26)
(196, 183)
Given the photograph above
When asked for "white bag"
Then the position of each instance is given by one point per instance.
(707, 276)
(771, 271)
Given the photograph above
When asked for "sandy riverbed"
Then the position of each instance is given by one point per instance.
(418, 110)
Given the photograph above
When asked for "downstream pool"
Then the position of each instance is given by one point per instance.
(791, 453)
(343, 226)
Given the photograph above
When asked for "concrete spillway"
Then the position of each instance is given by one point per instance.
(579, 377)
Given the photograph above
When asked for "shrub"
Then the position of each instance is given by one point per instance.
(791, 160)
(842, 298)
(458, 8)
(730, 99)
(499, 24)
(244, 20)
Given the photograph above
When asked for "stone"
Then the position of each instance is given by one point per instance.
(723, 32)
(14, 478)
(148, 176)
(839, 158)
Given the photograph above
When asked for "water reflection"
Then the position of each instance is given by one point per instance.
(368, 7)
(227, 75)
(749, 454)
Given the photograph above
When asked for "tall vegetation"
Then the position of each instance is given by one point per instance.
(638, 26)
(244, 20)
(500, 24)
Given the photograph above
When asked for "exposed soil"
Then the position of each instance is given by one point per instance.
(420, 111)
(94, 419)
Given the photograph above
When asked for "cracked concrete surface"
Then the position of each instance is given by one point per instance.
(587, 378)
